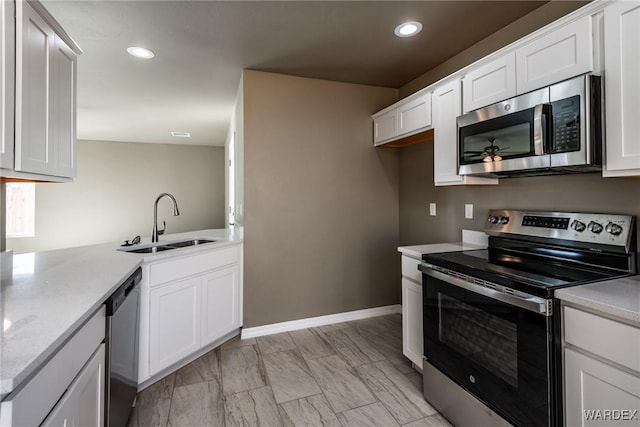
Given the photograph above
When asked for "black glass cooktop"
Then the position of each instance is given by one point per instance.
(536, 276)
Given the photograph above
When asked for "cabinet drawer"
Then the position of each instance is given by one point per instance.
(410, 269)
(163, 272)
(607, 338)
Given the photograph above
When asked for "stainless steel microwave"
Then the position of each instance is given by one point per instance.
(557, 129)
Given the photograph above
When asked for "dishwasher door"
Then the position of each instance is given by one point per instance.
(122, 350)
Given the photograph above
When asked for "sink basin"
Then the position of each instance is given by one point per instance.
(186, 243)
(160, 247)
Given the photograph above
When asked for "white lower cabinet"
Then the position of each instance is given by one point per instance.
(220, 303)
(412, 339)
(188, 303)
(599, 394)
(174, 322)
(83, 403)
(601, 370)
(412, 345)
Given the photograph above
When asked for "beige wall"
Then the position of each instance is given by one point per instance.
(540, 17)
(579, 192)
(112, 197)
(321, 203)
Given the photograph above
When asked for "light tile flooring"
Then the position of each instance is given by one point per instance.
(346, 374)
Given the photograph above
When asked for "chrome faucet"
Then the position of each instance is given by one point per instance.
(155, 233)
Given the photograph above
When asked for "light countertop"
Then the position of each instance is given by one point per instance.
(418, 250)
(471, 240)
(617, 297)
(52, 293)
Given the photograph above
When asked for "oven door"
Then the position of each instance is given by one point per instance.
(508, 136)
(496, 346)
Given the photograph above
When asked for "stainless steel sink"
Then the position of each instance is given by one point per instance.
(160, 247)
(186, 243)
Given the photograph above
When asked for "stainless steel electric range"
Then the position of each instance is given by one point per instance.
(491, 325)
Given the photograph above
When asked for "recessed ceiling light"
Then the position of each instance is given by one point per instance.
(181, 134)
(408, 29)
(140, 52)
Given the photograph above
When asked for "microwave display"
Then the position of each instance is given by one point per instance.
(566, 125)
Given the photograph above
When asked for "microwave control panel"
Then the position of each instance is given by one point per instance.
(566, 125)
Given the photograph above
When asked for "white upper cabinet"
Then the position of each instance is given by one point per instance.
(7, 81)
(622, 88)
(404, 118)
(34, 146)
(414, 114)
(447, 106)
(45, 108)
(561, 54)
(489, 83)
(385, 126)
(45, 97)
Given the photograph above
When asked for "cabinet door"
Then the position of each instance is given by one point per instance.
(415, 114)
(622, 88)
(33, 145)
(174, 322)
(385, 127)
(220, 303)
(490, 83)
(559, 55)
(596, 392)
(83, 403)
(447, 107)
(412, 337)
(7, 82)
(63, 109)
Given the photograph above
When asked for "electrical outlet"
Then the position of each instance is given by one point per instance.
(468, 211)
(432, 209)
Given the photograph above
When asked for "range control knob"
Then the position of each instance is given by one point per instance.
(492, 219)
(613, 229)
(504, 220)
(579, 226)
(595, 227)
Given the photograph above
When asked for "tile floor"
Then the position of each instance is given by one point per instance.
(346, 374)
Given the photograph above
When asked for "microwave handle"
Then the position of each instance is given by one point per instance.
(539, 128)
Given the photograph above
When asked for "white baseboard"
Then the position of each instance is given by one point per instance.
(311, 322)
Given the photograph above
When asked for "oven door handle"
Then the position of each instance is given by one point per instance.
(528, 302)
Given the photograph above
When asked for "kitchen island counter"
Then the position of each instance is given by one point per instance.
(52, 293)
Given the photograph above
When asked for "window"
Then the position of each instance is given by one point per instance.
(21, 209)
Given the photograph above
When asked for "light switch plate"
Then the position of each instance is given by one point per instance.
(468, 211)
(432, 209)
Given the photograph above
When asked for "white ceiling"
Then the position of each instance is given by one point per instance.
(202, 47)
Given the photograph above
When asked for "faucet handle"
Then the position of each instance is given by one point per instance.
(164, 226)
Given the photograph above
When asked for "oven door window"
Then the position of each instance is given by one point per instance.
(491, 340)
(501, 138)
(497, 352)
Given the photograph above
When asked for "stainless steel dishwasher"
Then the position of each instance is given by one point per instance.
(121, 376)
